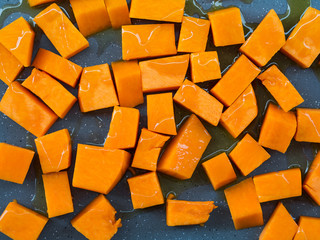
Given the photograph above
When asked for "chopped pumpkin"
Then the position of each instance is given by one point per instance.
(308, 125)
(311, 183)
(160, 113)
(183, 153)
(98, 169)
(118, 12)
(278, 185)
(200, 102)
(14, 163)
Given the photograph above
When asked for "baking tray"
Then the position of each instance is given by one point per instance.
(92, 128)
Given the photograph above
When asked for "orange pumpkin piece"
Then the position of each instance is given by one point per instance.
(244, 205)
(97, 220)
(302, 45)
(164, 10)
(311, 183)
(14, 163)
(145, 190)
(309, 229)
(123, 128)
(58, 194)
(182, 213)
(34, 3)
(98, 169)
(118, 12)
(205, 66)
(308, 125)
(280, 88)
(248, 155)
(127, 76)
(62, 69)
(96, 89)
(10, 66)
(266, 40)
(280, 226)
(235, 81)
(198, 101)
(164, 74)
(61, 32)
(59, 99)
(148, 150)
(54, 151)
(241, 113)
(150, 40)
(18, 38)
(219, 171)
(278, 185)
(160, 113)
(91, 16)
(21, 223)
(27, 110)
(226, 25)
(193, 35)
(183, 153)
(278, 129)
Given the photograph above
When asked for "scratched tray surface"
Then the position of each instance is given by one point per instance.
(92, 128)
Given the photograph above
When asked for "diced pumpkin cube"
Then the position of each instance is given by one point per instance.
(164, 10)
(183, 153)
(205, 66)
(127, 76)
(193, 35)
(54, 151)
(18, 38)
(244, 205)
(278, 185)
(219, 171)
(14, 163)
(235, 80)
(308, 125)
(198, 101)
(145, 190)
(97, 220)
(266, 40)
(158, 40)
(160, 113)
(280, 225)
(248, 155)
(25, 109)
(241, 113)
(58, 67)
(61, 32)
(59, 99)
(226, 25)
(98, 169)
(182, 213)
(278, 129)
(123, 130)
(96, 89)
(34, 3)
(148, 150)
(21, 223)
(91, 16)
(118, 12)
(58, 194)
(164, 74)
(10, 66)
(302, 45)
(280, 88)
(309, 229)
(311, 183)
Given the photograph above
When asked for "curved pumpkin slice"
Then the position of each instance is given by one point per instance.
(18, 38)
(266, 40)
